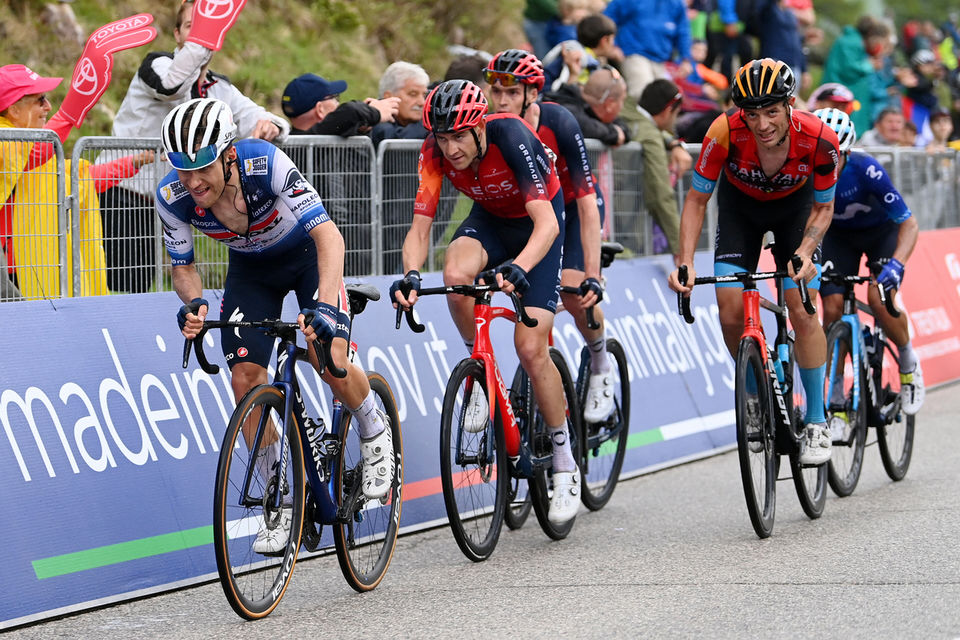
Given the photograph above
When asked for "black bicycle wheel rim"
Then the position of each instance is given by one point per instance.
(846, 459)
(252, 583)
(475, 486)
(896, 436)
(755, 441)
(809, 481)
(367, 538)
(518, 493)
(605, 444)
(541, 484)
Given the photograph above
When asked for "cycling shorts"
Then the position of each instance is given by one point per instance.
(255, 289)
(844, 248)
(743, 221)
(573, 241)
(504, 238)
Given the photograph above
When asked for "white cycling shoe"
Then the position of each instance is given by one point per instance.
(271, 542)
(565, 501)
(476, 414)
(912, 391)
(817, 444)
(378, 462)
(599, 403)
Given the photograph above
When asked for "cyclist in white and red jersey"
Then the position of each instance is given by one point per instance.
(250, 196)
(517, 216)
(516, 79)
(777, 170)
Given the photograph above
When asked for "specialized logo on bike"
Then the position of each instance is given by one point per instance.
(295, 184)
(214, 9)
(85, 78)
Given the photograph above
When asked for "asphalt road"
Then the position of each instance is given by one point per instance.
(672, 555)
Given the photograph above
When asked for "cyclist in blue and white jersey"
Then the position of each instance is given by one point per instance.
(870, 218)
(250, 196)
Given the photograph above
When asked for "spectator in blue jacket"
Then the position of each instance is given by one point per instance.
(781, 38)
(650, 34)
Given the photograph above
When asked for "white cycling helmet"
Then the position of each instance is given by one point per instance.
(195, 133)
(841, 124)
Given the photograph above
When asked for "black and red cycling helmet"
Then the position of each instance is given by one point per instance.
(509, 67)
(454, 105)
(761, 83)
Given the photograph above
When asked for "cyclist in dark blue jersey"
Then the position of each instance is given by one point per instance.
(516, 78)
(870, 218)
(250, 196)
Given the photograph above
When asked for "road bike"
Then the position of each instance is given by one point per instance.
(478, 470)
(316, 482)
(770, 408)
(864, 364)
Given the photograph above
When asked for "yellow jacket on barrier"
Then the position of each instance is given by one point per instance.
(36, 244)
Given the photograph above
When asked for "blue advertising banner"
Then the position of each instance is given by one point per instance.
(109, 447)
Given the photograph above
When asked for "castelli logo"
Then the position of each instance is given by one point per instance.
(120, 25)
(200, 211)
(215, 9)
(85, 78)
(242, 352)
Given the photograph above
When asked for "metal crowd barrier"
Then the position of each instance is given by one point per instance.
(62, 211)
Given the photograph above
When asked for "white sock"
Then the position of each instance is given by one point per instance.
(908, 358)
(599, 363)
(266, 458)
(469, 345)
(368, 419)
(562, 453)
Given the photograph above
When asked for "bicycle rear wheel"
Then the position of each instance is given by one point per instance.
(518, 495)
(846, 460)
(366, 536)
(895, 434)
(755, 441)
(605, 443)
(541, 485)
(809, 481)
(473, 468)
(243, 506)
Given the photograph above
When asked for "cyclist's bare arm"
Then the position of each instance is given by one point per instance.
(330, 250)
(415, 247)
(906, 239)
(820, 216)
(691, 223)
(187, 284)
(590, 234)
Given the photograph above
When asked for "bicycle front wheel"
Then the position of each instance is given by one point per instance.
(895, 434)
(518, 495)
(255, 540)
(605, 443)
(366, 534)
(473, 468)
(846, 460)
(541, 484)
(755, 441)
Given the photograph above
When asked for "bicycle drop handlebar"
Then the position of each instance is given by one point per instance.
(275, 328)
(683, 302)
(592, 323)
(472, 290)
(886, 297)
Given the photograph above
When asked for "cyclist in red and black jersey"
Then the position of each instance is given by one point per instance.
(777, 171)
(516, 79)
(517, 216)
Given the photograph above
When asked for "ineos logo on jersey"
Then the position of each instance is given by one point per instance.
(85, 78)
(214, 9)
(295, 184)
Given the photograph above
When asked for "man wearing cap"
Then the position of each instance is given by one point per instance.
(163, 81)
(663, 155)
(313, 106)
(833, 95)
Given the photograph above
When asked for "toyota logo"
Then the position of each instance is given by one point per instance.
(85, 78)
(215, 9)
(121, 25)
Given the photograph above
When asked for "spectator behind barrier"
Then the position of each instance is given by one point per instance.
(597, 105)
(573, 60)
(313, 105)
(408, 82)
(888, 130)
(162, 82)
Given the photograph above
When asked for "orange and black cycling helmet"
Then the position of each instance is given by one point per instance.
(515, 66)
(454, 105)
(761, 83)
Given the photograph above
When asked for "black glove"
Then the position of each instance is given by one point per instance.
(323, 319)
(191, 307)
(516, 276)
(591, 284)
(406, 284)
